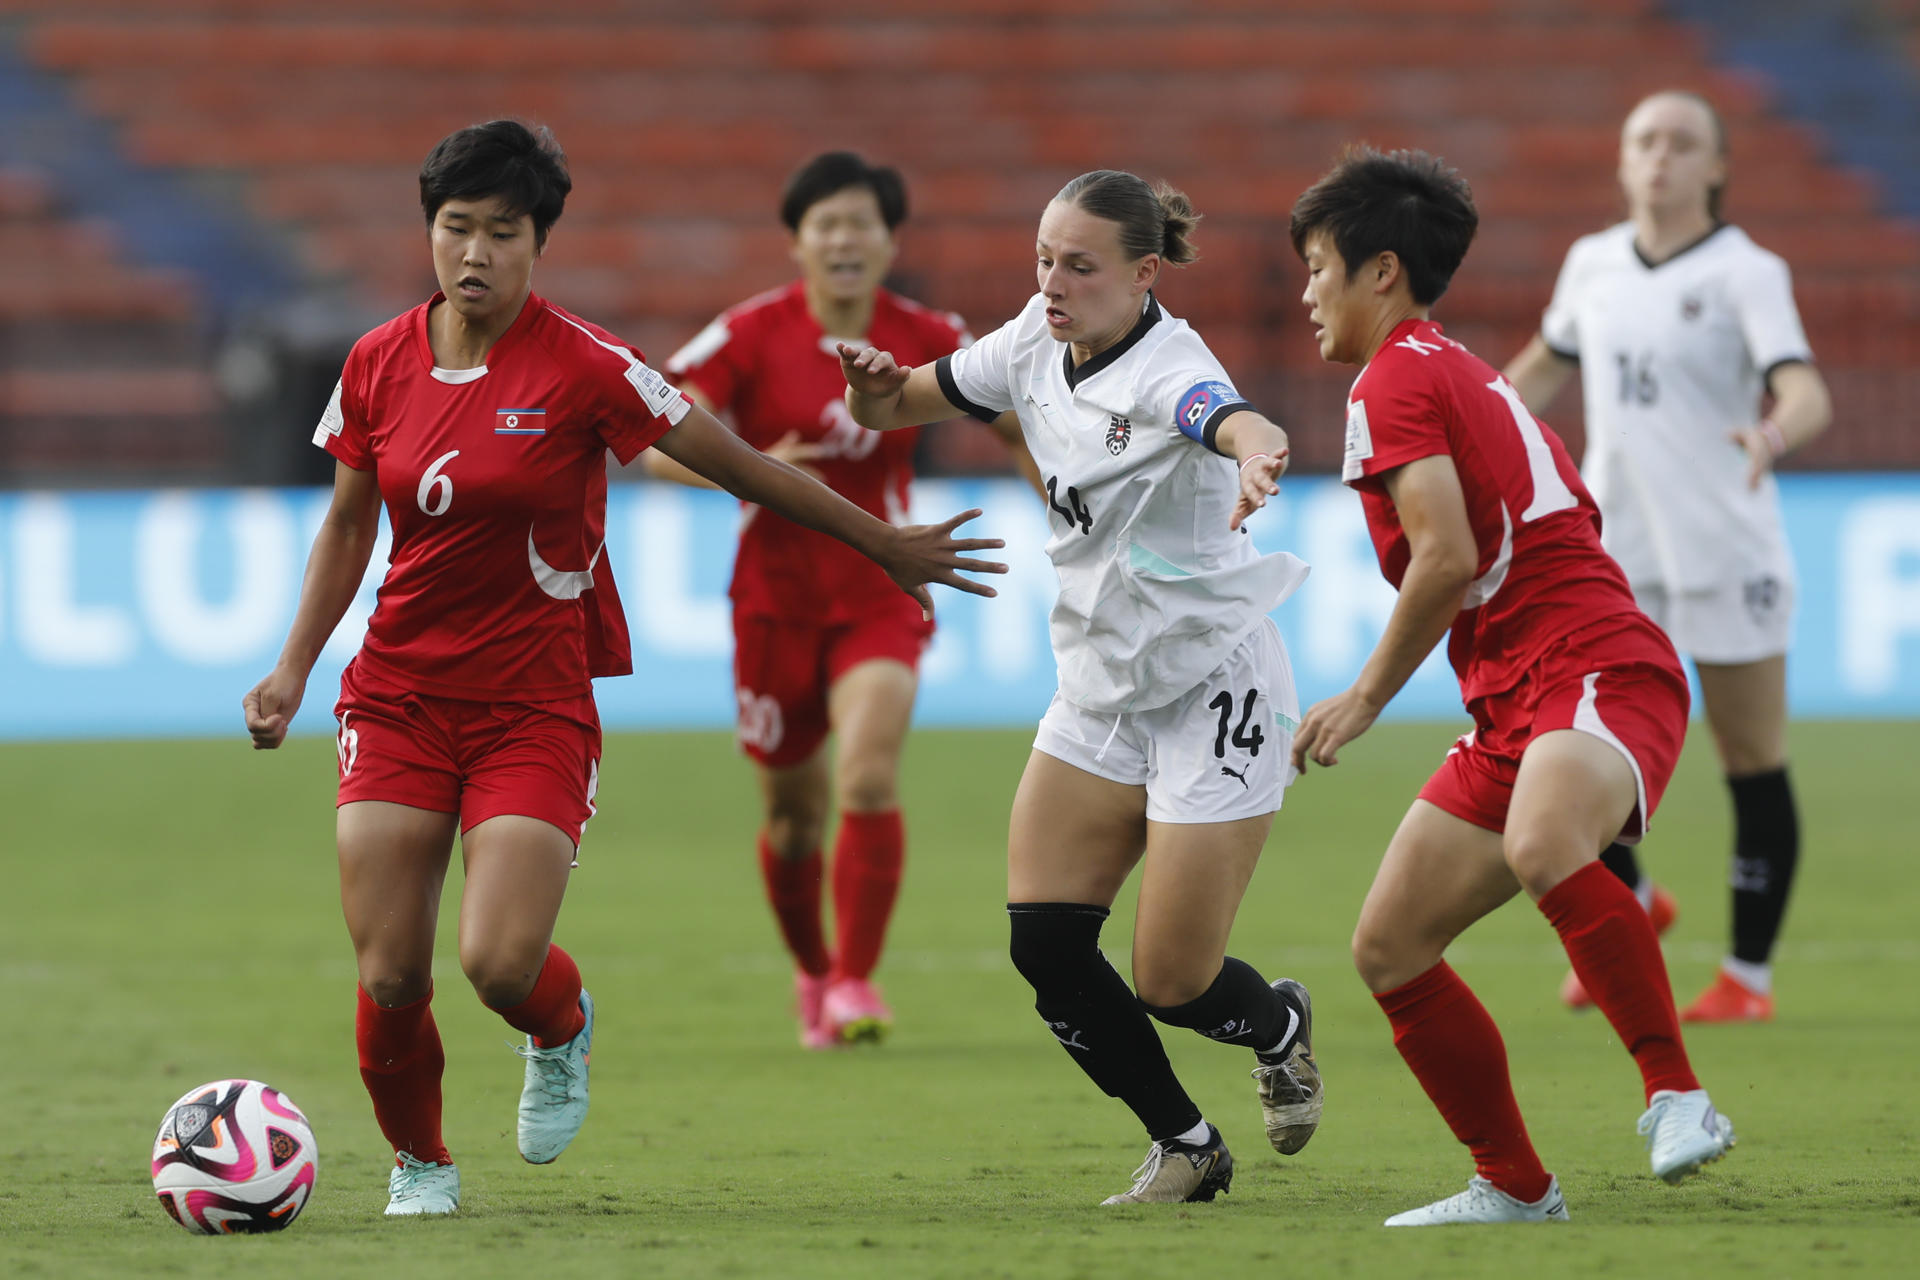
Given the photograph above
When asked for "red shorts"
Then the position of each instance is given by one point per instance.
(782, 670)
(477, 759)
(1625, 688)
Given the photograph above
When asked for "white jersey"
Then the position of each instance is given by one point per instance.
(1674, 358)
(1155, 590)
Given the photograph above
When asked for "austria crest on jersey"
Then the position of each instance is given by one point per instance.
(1119, 432)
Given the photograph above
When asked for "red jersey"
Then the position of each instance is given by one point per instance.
(1542, 572)
(495, 484)
(768, 363)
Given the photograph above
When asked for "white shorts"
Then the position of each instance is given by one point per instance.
(1729, 624)
(1217, 753)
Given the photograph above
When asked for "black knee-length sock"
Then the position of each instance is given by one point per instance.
(1239, 1008)
(1094, 1015)
(1766, 851)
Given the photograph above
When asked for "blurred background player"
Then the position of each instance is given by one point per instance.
(483, 418)
(1682, 325)
(822, 640)
(1167, 738)
(1578, 701)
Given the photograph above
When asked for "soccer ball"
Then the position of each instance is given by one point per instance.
(234, 1156)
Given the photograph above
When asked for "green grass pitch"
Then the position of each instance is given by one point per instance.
(171, 917)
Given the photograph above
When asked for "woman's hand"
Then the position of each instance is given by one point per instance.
(871, 372)
(270, 707)
(1330, 725)
(1259, 479)
(923, 553)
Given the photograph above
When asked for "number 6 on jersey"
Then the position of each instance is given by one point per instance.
(436, 490)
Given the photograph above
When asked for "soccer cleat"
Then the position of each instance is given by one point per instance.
(1684, 1132)
(418, 1189)
(1729, 1000)
(809, 995)
(854, 1012)
(1290, 1092)
(553, 1099)
(1663, 911)
(1484, 1202)
(1177, 1173)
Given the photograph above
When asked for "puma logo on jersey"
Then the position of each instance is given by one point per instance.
(1690, 308)
(1240, 775)
(1119, 432)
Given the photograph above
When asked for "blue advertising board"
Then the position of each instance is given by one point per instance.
(151, 613)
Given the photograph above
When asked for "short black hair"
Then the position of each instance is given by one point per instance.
(521, 165)
(1409, 203)
(833, 172)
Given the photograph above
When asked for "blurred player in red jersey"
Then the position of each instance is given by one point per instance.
(822, 641)
(482, 419)
(1578, 701)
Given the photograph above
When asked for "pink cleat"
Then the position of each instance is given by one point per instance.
(809, 997)
(855, 1013)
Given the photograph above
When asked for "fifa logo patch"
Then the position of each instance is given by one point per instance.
(1119, 432)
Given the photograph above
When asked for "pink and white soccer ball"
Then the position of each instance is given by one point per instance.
(234, 1156)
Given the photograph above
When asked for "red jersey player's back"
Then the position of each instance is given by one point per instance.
(494, 480)
(1542, 573)
(768, 362)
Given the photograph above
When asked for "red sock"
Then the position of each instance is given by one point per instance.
(551, 1013)
(1616, 956)
(1449, 1040)
(400, 1063)
(793, 890)
(866, 880)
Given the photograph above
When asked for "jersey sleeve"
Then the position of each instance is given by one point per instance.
(1762, 296)
(1187, 387)
(1395, 419)
(637, 405)
(1560, 326)
(343, 430)
(712, 363)
(977, 379)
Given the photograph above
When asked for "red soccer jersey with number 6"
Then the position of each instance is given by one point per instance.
(495, 483)
(1542, 574)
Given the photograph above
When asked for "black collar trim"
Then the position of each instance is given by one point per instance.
(1079, 373)
(1651, 265)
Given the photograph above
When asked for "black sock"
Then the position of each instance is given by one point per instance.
(1621, 860)
(1094, 1015)
(1239, 1008)
(1766, 849)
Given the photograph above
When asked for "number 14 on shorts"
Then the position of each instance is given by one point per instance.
(1247, 735)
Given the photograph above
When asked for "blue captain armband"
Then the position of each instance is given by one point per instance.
(1204, 407)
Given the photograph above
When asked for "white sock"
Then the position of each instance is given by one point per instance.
(1757, 978)
(1194, 1136)
(1293, 1025)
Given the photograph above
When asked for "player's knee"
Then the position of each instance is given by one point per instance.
(1055, 945)
(793, 832)
(392, 987)
(1165, 983)
(501, 981)
(1541, 859)
(1378, 958)
(867, 786)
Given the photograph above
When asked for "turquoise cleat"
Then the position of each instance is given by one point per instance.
(418, 1189)
(553, 1101)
